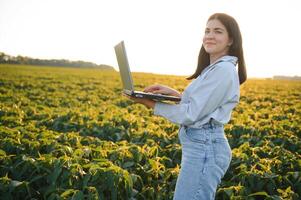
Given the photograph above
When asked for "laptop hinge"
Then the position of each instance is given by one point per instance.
(128, 92)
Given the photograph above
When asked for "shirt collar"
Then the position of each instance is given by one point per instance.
(227, 58)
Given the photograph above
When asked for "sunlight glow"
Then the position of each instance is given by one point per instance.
(160, 36)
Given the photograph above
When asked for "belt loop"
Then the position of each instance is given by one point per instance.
(210, 123)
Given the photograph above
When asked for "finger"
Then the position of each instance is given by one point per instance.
(157, 92)
(151, 88)
(148, 89)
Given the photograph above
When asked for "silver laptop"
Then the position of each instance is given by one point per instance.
(127, 80)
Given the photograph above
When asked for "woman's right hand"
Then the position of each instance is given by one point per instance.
(162, 89)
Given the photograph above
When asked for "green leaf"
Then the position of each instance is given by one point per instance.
(78, 195)
(259, 194)
(14, 183)
(228, 191)
(128, 164)
(68, 193)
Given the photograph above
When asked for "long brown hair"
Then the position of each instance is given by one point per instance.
(234, 50)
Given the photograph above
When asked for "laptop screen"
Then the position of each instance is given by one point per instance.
(124, 67)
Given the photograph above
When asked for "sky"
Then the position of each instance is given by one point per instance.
(161, 36)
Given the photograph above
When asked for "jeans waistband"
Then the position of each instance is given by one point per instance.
(212, 124)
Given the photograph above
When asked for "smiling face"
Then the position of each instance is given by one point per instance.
(216, 40)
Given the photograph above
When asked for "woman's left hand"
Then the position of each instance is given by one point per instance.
(147, 102)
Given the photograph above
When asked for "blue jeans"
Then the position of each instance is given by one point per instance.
(206, 156)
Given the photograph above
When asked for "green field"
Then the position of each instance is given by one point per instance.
(70, 134)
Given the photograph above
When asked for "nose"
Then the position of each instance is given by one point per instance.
(209, 35)
(208, 38)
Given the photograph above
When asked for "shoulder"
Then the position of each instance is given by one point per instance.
(224, 69)
(229, 59)
(226, 64)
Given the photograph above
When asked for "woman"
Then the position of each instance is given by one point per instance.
(205, 106)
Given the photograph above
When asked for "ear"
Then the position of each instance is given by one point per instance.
(230, 42)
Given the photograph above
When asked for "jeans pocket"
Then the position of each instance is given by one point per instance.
(222, 153)
(196, 135)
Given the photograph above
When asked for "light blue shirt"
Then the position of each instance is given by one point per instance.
(213, 94)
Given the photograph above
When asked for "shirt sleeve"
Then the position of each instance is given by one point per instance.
(206, 97)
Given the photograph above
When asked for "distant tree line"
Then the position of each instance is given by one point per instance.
(23, 60)
(287, 77)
